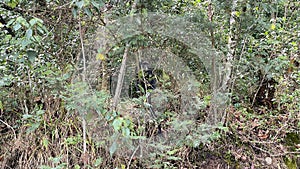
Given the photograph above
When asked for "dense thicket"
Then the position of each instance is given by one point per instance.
(59, 106)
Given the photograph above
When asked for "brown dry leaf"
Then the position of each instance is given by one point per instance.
(36, 99)
(244, 158)
(237, 156)
(18, 143)
(254, 123)
(240, 127)
(85, 158)
(262, 135)
(238, 114)
(281, 147)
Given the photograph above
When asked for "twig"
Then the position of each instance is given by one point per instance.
(254, 98)
(132, 156)
(272, 154)
(29, 79)
(259, 142)
(9, 126)
(82, 50)
(281, 128)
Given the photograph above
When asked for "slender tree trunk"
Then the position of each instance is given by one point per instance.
(231, 45)
(214, 76)
(120, 78)
(210, 13)
(217, 113)
(105, 76)
(84, 155)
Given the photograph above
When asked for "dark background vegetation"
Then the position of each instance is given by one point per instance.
(41, 121)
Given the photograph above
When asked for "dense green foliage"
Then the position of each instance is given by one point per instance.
(56, 112)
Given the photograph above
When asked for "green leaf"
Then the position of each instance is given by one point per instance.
(10, 22)
(88, 12)
(39, 21)
(31, 55)
(126, 131)
(55, 159)
(79, 4)
(40, 30)
(113, 148)
(6, 80)
(71, 141)
(98, 162)
(33, 127)
(25, 42)
(17, 26)
(74, 11)
(138, 137)
(273, 27)
(22, 21)
(45, 142)
(29, 33)
(98, 4)
(37, 38)
(12, 4)
(196, 143)
(173, 158)
(45, 167)
(172, 152)
(40, 112)
(117, 123)
(33, 21)
(294, 43)
(27, 116)
(48, 72)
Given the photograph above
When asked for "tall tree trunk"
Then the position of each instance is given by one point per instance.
(84, 154)
(231, 45)
(120, 78)
(217, 113)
